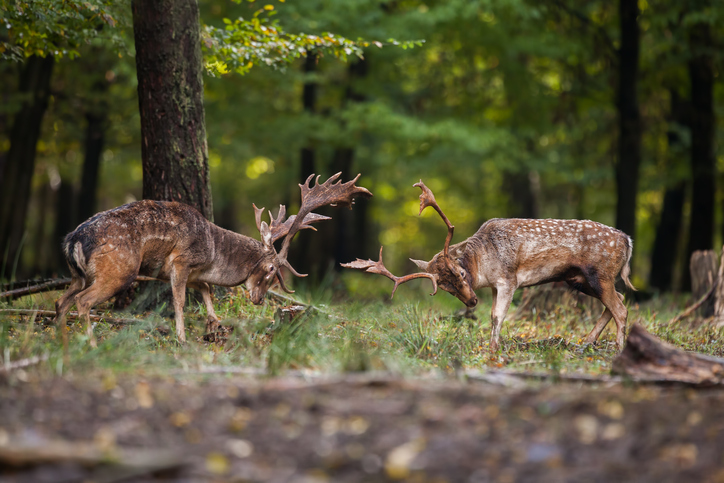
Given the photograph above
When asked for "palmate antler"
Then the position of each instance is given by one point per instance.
(313, 197)
(280, 227)
(379, 267)
(327, 193)
(426, 199)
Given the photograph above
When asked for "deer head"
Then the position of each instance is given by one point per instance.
(267, 269)
(447, 270)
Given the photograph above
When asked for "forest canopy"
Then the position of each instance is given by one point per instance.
(505, 108)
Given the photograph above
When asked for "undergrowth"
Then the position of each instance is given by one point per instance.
(408, 336)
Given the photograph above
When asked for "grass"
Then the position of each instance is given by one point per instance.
(414, 333)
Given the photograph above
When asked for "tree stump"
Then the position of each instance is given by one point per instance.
(718, 295)
(703, 267)
(647, 358)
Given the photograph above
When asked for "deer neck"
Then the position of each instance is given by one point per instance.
(235, 256)
(476, 260)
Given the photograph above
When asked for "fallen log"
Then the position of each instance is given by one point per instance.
(71, 316)
(48, 286)
(11, 366)
(37, 288)
(99, 463)
(646, 357)
(686, 313)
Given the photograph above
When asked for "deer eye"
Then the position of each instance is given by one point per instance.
(462, 273)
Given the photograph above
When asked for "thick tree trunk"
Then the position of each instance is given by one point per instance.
(701, 74)
(170, 96)
(20, 160)
(629, 121)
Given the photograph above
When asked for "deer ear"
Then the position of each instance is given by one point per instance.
(458, 250)
(420, 263)
(266, 235)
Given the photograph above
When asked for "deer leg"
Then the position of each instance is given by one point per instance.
(502, 297)
(614, 303)
(99, 291)
(179, 277)
(64, 303)
(606, 316)
(212, 321)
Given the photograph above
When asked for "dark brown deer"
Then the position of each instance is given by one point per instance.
(506, 254)
(173, 242)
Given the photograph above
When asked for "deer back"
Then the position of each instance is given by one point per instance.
(143, 237)
(536, 251)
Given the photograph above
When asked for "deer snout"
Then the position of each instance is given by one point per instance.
(471, 302)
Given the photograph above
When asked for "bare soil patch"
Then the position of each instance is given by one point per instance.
(361, 429)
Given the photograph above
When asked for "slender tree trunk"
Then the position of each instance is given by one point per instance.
(522, 194)
(170, 96)
(350, 226)
(629, 120)
(96, 115)
(64, 218)
(94, 138)
(301, 254)
(20, 161)
(44, 198)
(666, 243)
(701, 74)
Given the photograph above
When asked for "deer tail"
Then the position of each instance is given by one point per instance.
(626, 270)
(75, 257)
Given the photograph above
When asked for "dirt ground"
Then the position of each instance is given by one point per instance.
(355, 429)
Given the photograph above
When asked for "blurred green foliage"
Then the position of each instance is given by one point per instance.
(499, 88)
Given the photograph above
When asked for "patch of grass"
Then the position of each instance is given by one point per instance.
(405, 335)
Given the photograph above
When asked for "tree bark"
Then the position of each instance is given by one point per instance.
(646, 357)
(666, 242)
(703, 268)
(701, 74)
(170, 96)
(350, 227)
(20, 161)
(629, 120)
(64, 218)
(523, 199)
(94, 140)
(301, 253)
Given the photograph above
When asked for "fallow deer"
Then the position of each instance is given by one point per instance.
(173, 242)
(506, 254)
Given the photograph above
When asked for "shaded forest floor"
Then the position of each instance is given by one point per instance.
(369, 392)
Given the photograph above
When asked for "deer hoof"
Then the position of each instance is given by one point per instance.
(212, 325)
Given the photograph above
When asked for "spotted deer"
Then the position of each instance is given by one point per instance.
(173, 242)
(506, 254)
